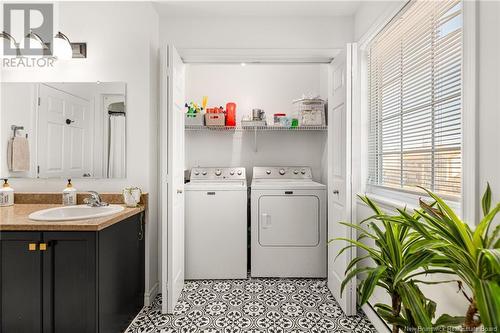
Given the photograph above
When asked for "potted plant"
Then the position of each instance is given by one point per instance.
(472, 255)
(399, 257)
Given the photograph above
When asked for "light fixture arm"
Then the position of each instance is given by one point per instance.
(62, 36)
(9, 37)
(39, 39)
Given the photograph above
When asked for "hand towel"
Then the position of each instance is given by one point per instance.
(18, 154)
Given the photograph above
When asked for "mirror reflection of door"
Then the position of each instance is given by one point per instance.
(64, 134)
(63, 129)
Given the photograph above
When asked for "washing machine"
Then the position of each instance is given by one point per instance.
(288, 223)
(216, 224)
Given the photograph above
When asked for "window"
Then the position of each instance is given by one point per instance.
(415, 100)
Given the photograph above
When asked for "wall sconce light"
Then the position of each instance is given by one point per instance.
(7, 36)
(44, 46)
(65, 49)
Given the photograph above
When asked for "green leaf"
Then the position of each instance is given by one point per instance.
(365, 247)
(388, 316)
(417, 261)
(491, 239)
(488, 302)
(430, 308)
(447, 320)
(352, 274)
(453, 218)
(493, 256)
(483, 227)
(486, 200)
(370, 283)
(342, 250)
(371, 204)
(354, 262)
(412, 299)
(358, 228)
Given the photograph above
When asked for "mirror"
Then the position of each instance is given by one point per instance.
(63, 130)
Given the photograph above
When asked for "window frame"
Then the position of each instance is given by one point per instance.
(467, 206)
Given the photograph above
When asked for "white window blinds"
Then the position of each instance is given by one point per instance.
(415, 99)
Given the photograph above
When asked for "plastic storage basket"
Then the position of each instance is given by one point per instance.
(194, 119)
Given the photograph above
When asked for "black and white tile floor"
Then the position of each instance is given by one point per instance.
(253, 305)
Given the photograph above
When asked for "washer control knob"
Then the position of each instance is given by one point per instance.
(295, 172)
(218, 172)
(239, 172)
(196, 172)
(204, 173)
(303, 171)
(268, 172)
(231, 172)
(282, 172)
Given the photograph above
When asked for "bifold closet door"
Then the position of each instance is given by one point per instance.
(172, 176)
(339, 176)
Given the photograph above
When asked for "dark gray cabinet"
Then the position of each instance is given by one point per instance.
(21, 282)
(79, 282)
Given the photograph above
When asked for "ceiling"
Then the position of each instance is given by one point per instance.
(260, 8)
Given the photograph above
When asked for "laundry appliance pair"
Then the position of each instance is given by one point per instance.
(288, 235)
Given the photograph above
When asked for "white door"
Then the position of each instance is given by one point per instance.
(290, 220)
(64, 134)
(172, 177)
(339, 176)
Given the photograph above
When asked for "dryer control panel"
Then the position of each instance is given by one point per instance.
(290, 172)
(218, 174)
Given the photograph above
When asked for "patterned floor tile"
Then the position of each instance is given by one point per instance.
(251, 306)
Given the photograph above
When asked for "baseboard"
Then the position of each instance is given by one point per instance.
(377, 322)
(150, 295)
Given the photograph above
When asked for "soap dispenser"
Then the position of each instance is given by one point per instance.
(69, 195)
(6, 194)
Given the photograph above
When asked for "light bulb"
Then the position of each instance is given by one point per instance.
(62, 47)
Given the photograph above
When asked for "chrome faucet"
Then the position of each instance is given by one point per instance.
(94, 200)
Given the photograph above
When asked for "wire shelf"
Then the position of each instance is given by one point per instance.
(254, 128)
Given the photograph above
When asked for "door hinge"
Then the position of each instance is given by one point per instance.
(39, 101)
(38, 169)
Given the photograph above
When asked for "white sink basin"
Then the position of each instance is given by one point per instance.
(71, 213)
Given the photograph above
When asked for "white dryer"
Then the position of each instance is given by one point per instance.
(216, 224)
(288, 227)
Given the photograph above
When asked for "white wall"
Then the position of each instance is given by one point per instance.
(122, 44)
(18, 107)
(489, 96)
(370, 13)
(256, 32)
(265, 86)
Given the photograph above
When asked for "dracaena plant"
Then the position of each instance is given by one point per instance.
(398, 258)
(472, 255)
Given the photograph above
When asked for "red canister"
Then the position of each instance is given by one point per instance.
(231, 114)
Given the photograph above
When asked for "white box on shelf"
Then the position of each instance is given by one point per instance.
(310, 111)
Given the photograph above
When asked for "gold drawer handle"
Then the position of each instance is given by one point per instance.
(32, 246)
(43, 246)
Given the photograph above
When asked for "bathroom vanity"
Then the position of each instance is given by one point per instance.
(70, 276)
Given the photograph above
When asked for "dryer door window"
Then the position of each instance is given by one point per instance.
(286, 221)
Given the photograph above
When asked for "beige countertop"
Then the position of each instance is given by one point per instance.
(15, 218)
